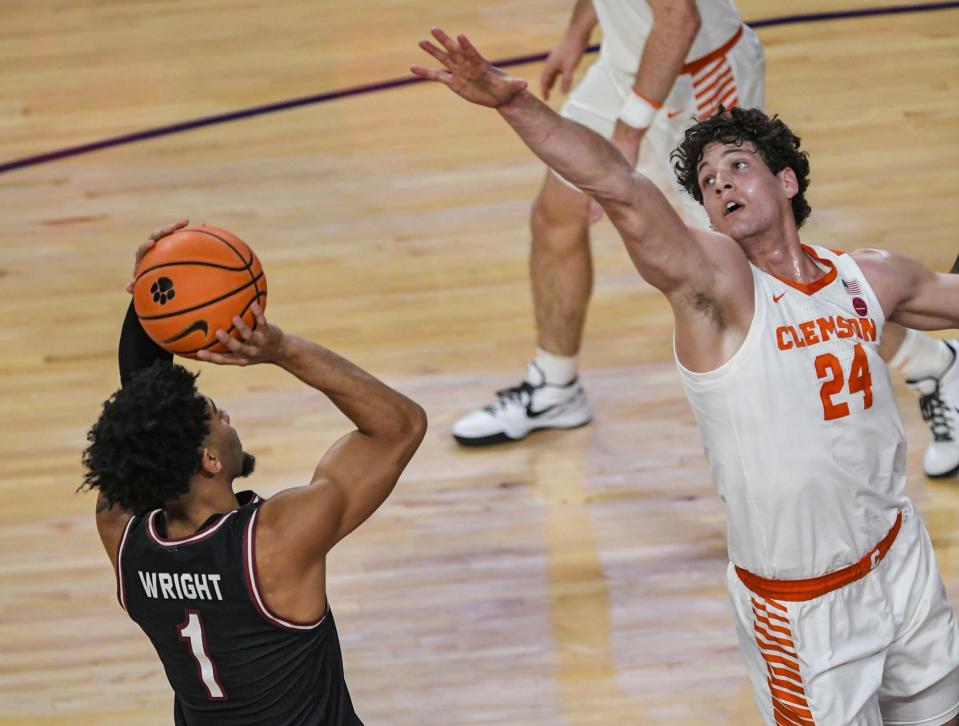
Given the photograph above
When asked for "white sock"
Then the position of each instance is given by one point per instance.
(921, 356)
(558, 369)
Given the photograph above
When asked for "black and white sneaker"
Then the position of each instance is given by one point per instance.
(939, 403)
(533, 404)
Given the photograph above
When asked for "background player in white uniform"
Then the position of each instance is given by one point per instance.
(841, 610)
(661, 63)
(931, 368)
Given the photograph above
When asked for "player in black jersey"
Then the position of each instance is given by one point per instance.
(230, 588)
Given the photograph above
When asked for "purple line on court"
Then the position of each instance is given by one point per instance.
(397, 82)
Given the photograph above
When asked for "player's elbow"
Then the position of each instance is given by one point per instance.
(410, 426)
(616, 187)
(416, 423)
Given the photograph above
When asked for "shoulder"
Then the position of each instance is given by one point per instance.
(300, 514)
(872, 258)
(885, 267)
(891, 275)
(724, 257)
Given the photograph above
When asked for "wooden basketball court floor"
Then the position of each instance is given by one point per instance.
(576, 578)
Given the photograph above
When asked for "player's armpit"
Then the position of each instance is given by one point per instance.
(111, 521)
(668, 254)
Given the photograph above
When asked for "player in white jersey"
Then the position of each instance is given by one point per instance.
(661, 64)
(841, 612)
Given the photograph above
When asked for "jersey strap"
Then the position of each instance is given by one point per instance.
(256, 597)
(121, 595)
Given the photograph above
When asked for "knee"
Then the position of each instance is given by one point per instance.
(559, 224)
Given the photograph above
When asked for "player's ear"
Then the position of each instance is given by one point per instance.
(210, 463)
(787, 178)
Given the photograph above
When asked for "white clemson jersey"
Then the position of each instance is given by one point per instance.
(626, 25)
(801, 428)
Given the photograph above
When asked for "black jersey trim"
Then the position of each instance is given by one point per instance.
(249, 566)
(191, 539)
(121, 595)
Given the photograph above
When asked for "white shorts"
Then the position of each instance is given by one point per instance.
(599, 96)
(881, 650)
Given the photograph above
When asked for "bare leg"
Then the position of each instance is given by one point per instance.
(560, 265)
(561, 277)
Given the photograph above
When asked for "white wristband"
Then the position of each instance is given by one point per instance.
(638, 112)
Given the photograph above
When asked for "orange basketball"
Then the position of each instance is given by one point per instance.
(191, 283)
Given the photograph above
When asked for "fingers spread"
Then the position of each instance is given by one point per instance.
(440, 55)
(242, 327)
(469, 50)
(430, 74)
(455, 52)
(210, 356)
(223, 359)
(258, 316)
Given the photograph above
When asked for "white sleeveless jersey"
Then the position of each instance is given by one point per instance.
(801, 428)
(626, 24)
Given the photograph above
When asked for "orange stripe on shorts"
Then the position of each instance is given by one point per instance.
(786, 689)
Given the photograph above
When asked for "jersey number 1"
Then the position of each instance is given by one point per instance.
(191, 630)
(860, 381)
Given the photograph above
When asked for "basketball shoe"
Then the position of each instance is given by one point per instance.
(533, 404)
(939, 403)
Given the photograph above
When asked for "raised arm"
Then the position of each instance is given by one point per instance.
(666, 253)
(135, 352)
(358, 472)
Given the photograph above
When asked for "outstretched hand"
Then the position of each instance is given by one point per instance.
(263, 345)
(468, 74)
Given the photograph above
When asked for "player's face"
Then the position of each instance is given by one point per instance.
(224, 438)
(742, 197)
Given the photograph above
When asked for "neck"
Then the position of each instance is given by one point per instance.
(186, 514)
(781, 254)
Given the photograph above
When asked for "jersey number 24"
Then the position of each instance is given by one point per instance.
(829, 368)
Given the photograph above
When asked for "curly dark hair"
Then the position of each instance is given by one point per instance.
(775, 143)
(148, 440)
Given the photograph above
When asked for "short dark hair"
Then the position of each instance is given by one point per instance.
(148, 440)
(775, 143)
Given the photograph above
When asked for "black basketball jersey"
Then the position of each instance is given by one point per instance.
(227, 657)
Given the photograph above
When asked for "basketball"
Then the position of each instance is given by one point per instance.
(191, 283)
